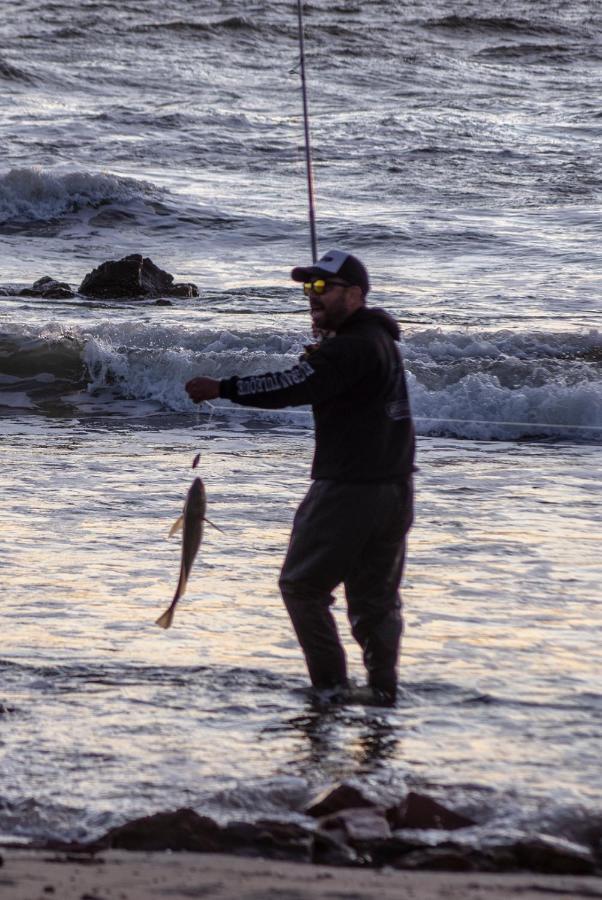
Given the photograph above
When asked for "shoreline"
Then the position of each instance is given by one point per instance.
(130, 875)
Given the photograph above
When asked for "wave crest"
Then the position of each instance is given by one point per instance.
(482, 385)
(33, 195)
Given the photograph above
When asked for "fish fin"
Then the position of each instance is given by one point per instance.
(165, 620)
(177, 525)
(213, 525)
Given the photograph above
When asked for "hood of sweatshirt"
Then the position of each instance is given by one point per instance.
(372, 316)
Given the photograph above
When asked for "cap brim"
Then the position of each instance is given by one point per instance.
(306, 273)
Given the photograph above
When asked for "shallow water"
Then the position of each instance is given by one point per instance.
(108, 717)
(457, 153)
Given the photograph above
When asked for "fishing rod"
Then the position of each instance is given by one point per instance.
(308, 168)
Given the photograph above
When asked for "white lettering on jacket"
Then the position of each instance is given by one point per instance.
(262, 384)
(398, 407)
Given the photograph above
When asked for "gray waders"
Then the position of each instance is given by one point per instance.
(350, 533)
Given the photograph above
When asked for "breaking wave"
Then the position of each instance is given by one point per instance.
(486, 386)
(34, 195)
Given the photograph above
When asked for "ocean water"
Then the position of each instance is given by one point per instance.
(456, 151)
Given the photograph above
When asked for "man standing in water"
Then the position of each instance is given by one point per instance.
(351, 527)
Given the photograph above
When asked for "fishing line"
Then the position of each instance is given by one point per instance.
(308, 167)
(293, 414)
(510, 424)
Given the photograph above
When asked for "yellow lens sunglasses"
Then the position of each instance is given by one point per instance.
(321, 286)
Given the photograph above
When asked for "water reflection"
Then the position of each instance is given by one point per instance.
(337, 742)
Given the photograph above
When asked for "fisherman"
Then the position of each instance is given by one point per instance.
(352, 525)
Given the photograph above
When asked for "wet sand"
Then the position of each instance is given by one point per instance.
(119, 875)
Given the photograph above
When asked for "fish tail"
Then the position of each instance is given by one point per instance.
(165, 620)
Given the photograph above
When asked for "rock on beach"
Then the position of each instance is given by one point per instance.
(133, 277)
(48, 288)
(363, 834)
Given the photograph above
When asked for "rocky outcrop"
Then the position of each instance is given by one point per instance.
(268, 838)
(343, 796)
(48, 288)
(364, 835)
(183, 829)
(357, 827)
(544, 853)
(419, 811)
(133, 277)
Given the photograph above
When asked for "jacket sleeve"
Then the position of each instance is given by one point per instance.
(338, 364)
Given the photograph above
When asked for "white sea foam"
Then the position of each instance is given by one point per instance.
(483, 385)
(554, 388)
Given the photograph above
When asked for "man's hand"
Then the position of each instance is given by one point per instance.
(201, 388)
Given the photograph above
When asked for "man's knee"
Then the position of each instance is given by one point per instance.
(302, 596)
(383, 628)
(290, 589)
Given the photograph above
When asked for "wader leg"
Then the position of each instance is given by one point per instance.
(326, 535)
(372, 590)
(351, 533)
(317, 634)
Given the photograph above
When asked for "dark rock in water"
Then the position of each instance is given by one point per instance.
(553, 856)
(359, 836)
(163, 302)
(344, 796)
(183, 829)
(418, 811)
(267, 838)
(357, 826)
(540, 853)
(587, 829)
(133, 276)
(390, 851)
(328, 851)
(49, 288)
(184, 289)
(48, 284)
(442, 858)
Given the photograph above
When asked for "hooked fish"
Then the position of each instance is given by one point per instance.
(191, 523)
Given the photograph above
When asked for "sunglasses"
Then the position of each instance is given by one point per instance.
(320, 286)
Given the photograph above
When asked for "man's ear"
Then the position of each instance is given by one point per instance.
(356, 296)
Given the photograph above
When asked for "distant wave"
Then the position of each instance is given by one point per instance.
(230, 23)
(509, 24)
(32, 198)
(538, 52)
(502, 385)
(34, 195)
(8, 72)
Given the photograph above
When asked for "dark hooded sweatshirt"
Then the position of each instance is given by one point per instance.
(356, 386)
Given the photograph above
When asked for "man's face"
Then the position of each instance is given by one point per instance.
(330, 308)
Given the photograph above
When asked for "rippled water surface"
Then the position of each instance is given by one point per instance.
(500, 701)
(457, 152)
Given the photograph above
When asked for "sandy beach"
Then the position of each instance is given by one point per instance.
(28, 875)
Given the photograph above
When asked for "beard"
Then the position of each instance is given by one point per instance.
(328, 316)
